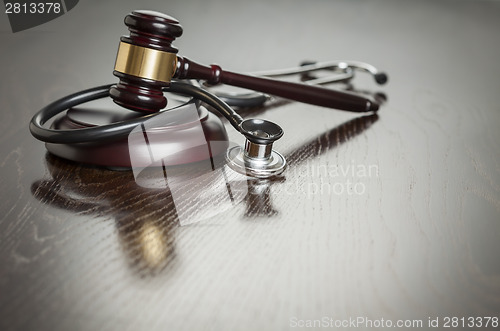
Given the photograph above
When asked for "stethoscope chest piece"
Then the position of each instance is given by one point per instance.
(257, 158)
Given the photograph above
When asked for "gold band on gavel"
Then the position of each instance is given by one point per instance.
(145, 62)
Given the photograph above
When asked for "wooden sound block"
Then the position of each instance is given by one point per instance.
(181, 134)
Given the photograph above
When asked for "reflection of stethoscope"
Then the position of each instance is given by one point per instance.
(147, 63)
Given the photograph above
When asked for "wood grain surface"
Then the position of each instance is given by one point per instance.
(394, 216)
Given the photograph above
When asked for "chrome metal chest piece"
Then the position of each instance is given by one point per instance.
(257, 158)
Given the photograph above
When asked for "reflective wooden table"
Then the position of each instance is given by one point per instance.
(380, 220)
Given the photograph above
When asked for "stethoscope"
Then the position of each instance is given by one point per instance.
(337, 71)
(141, 68)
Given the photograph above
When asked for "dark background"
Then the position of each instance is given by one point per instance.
(85, 249)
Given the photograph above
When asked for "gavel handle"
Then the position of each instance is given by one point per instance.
(187, 69)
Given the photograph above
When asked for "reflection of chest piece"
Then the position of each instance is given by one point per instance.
(257, 158)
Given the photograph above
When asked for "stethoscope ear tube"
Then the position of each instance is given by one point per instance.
(341, 71)
(115, 130)
(101, 133)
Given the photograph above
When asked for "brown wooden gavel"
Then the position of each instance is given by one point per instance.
(146, 62)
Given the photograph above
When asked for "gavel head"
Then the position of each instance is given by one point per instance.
(146, 61)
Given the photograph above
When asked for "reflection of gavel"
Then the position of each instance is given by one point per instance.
(147, 61)
(146, 227)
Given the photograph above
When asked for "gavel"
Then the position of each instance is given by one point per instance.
(147, 62)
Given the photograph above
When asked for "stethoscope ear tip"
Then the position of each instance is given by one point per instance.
(381, 78)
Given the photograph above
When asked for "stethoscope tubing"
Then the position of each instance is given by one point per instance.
(344, 71)
(116, 130)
